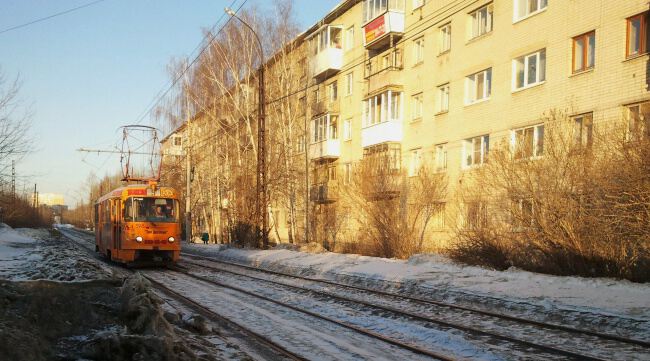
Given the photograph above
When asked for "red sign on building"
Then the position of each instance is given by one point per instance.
(375, 29)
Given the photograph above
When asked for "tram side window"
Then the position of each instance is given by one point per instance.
(128, 210)
(96, 213)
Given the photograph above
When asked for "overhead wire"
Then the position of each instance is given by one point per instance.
(50, 16)
(161, 94)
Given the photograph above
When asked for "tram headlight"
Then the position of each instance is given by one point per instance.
(138, 239)
(171, 239)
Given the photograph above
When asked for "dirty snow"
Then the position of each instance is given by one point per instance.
(604, 296)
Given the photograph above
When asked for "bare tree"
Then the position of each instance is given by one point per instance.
(575, 202)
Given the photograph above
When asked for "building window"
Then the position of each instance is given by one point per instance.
(445, 38)
(441, 157)
(375, 8)
(316, 95)
(637, 35)
(583, 130)
(638, 125)
(324, 127)
(302, 105)
(178, 141)
(418, 3)
(300, 144)
(349, 83)
(475, 215)
(347, 129)
(334, 91)
(414, 164)
(438, 216)
(443, 98)
(478, 86)
(417, 101)
(529, 69)
(584, 51)
(418, 51)
(382, 108)
(326, 38)
(347, 173)
(528, 142)
(331, 173)
(481, 21)
(475, 150)
(525, 8)
(349, 38)
(523, 213)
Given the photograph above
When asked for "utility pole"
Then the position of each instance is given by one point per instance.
(188, 181)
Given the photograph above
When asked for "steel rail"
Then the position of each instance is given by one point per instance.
(439, 303)
(360, 330)
(547, 348)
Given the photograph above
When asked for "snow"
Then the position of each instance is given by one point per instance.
(14, 250)
(599, 295)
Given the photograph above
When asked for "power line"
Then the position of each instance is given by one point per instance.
(213, 35)
(50, 16)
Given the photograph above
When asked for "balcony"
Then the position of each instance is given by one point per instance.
(390, 131)
(381, 29)
(327, 192)
(326, 149)
(327, 52)
(384, 70)
(382, 118)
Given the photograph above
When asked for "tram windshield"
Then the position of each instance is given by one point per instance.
(150, 210)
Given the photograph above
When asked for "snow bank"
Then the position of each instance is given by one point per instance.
(606, 296)
(15, 250)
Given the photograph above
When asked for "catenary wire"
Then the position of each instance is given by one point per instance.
(50, 16)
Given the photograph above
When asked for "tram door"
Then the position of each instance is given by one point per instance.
(118, 223)
(114, 218)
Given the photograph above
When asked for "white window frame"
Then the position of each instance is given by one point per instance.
(418, 4)
(333, 91)
(382, 107)
(414, 162)
(472, 90)
(517, 15)
(418, 50)
(441, 157)
(524, 63)
(443, 98)
(481, 21)
(347, 129)
(347, 173)
(536, 149)
(638, 127)
(583, 127)
(445, 38)
(469, 151)
(349, 83)
(417, 101)
(324, 128)
(349, 38)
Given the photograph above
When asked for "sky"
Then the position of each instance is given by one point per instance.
(86, 73)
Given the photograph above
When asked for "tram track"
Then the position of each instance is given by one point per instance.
(632, 346)
(273, 349)
(394, 308)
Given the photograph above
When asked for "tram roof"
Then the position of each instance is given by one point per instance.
(139, 190)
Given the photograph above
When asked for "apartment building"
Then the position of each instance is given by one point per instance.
(442, 80)
(439, 82)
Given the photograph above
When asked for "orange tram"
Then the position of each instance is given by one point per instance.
(139, 225)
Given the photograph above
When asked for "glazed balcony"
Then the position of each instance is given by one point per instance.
(382, 20)
(324, 138)
(325, 149)
(326, 51)
(382, 118)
